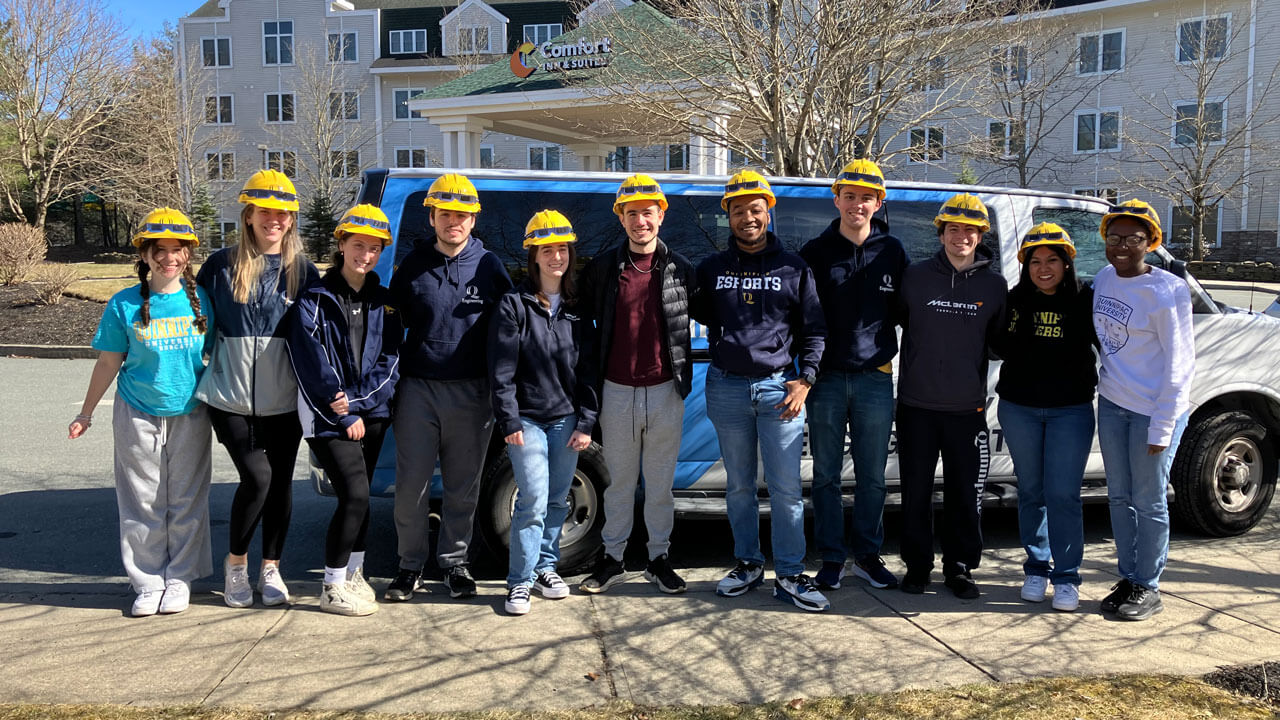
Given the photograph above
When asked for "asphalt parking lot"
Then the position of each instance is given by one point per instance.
(66, 637)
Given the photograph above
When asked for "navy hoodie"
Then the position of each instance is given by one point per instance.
(533, 364)
(950, 319)
(445, 304)
(761, 309)
(858, 286)
(323, 355)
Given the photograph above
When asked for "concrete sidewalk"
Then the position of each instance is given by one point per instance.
(69, 641)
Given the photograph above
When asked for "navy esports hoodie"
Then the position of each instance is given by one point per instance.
(858, 286)
(445, 304)
(761, 309)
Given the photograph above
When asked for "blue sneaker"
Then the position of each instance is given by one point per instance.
(871, 568)
(828, 578)
(800, 591)
(745, 576)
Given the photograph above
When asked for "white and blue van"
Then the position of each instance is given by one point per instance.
(1225, 470)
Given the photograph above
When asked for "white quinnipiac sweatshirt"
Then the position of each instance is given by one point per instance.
(1147, 346)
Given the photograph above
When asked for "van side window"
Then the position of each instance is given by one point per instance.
(1082, 226)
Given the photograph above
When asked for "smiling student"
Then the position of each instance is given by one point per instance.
(151, 341)
(250, 387)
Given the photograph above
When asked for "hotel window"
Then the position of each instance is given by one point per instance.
(215, 51)
(1097, 131)
(544, 157)
(277, 42)
(1100, 52)
(403, 42)
(538, 34)
(342, 47)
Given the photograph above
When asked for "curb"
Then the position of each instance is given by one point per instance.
(55, 352)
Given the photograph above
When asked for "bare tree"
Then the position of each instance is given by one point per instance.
(799, 87)
(62, 71)
(1191, 141)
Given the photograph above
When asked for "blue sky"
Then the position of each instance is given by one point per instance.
(147, 17)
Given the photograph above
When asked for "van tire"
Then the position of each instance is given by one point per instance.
(580, 541)
(1224, 475)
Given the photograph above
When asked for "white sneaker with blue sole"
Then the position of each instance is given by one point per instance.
(742, 578)
(800, 591)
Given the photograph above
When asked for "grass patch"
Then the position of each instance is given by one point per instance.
(1132, 697)
(99, 280)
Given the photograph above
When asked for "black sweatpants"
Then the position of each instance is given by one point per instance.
(962, 441)
(349, 465)
(263, 449)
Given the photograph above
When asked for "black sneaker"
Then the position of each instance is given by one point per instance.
(1119, 593)
(459, 581)
(915, 583)
(607, 573)
(871, 568)
(1141, 604)
(962, 586)
(402, 587)
(664, 576)
(829, 577)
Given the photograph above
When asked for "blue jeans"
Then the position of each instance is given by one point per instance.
(741, 410)
(1049, 447)
(543, 467)
(862, 402)
(1136, 488)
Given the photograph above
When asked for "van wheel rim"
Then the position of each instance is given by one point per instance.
(1238, 466)
(583, 508)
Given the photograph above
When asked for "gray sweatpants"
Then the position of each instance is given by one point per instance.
(641, 428)
(162, 468)
(450, 421)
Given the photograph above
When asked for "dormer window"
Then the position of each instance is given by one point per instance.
(404, 42)
(474, 40)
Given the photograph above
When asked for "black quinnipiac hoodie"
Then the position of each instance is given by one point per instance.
(949, 318)
(858, 286)
(761, 310)
(1047, 347)
(533, 359)
(445, 304)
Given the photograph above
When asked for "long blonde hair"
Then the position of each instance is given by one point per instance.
(247, 267)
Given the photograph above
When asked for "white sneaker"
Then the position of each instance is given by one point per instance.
(1066, 597)
(345, 599)
(177, 597)
(147, 603)
(743, 577)
(518, 600)
(362, 586)
(236, 590)
(272, 586)
(1033, 587)
(550, 586)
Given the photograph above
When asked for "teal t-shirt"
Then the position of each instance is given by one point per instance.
(164, 360)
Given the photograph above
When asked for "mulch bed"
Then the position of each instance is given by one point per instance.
(26, 322)
(1255, 681)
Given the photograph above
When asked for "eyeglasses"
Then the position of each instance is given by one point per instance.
(748, 185)
(267, 194)
(862, 177)
(548, 232)
(367, 222)
(639, 190)
(1043, 237)
(964, 212)
(1130, 210)
(451, 196)
(167, 227)
(1130, 241)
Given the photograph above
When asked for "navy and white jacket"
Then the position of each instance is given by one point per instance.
(858, 286)
(533, 364)
(249, 371)
(950, 319)
(445, 304)
(324, 361)
(761, 309)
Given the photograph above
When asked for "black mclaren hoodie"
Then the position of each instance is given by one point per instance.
(950, 318)
(858, 286)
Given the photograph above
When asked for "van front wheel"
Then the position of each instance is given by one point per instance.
(1224, 474)
(579, 537)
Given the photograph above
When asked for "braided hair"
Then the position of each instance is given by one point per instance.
(201, 322)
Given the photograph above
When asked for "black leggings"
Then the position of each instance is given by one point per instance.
(349, 465)
(263, 449)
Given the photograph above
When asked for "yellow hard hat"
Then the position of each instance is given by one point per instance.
(639, 187)
(548, 227)
(453, 191)
(747, 182)
(965, 209)
(1140, 211)
(1046, 233)
(862, 173)
(166, 224)
(270, 189)
(364, 219)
